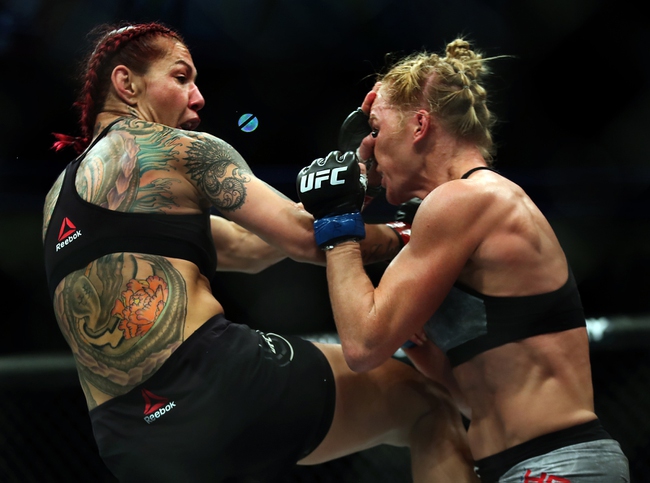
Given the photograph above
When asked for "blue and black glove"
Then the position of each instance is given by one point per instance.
(332, 189)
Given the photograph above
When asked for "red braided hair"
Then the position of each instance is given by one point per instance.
(131, 45)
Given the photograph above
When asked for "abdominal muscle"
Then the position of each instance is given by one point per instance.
(526, 389)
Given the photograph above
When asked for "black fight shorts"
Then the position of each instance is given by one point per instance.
(231, 404)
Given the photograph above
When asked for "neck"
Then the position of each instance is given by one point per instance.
(107, 116)
(451, 158)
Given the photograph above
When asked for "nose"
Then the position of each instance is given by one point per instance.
(196, 100)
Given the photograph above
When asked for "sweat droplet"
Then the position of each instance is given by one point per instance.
(248, 122)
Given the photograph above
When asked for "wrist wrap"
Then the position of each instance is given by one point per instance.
(403, 231)
(339, 228)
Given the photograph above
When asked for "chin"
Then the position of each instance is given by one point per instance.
(397, 199)
(392, 198)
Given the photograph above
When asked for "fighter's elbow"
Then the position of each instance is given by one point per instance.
(360, 358)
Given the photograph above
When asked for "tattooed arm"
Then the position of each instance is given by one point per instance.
(221, 174)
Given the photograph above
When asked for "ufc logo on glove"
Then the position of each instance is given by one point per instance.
(315, 180)
(333, 189)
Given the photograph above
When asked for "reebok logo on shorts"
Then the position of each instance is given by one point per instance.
(67, 233)
(155, 406)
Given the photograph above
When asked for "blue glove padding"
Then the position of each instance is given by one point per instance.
(335, 229)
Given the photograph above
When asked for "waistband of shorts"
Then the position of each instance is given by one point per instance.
(490, 469)
(190, 346)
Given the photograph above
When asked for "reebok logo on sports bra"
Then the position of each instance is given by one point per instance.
(67, 233)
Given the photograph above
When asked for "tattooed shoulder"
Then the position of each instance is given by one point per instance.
(218, 170)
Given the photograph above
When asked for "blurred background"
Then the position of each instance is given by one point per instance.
(573, 103)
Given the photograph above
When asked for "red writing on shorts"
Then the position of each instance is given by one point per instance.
(544, 478)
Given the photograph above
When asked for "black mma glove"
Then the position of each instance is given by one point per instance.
(352, 131)
(404, 219)
(406, 211)
(332, 189)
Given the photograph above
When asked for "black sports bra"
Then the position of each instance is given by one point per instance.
(468, 323)
(80, 232)
(467, 175)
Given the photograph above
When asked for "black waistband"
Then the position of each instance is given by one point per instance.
(197, 343)
(490, 469)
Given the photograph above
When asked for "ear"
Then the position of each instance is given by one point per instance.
(423, 124)
(126, 84)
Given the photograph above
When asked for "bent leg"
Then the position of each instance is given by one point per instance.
(394, 404)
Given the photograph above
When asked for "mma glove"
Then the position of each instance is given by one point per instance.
(404, 219)
(352, 131)
(332, 189)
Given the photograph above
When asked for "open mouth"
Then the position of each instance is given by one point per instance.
(190, 125)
